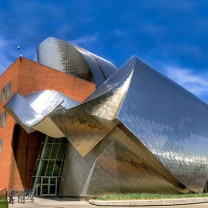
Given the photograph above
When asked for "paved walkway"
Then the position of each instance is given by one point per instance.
(53, 202)
(71, 203)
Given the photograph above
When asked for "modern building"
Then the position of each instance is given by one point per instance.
(74, 125)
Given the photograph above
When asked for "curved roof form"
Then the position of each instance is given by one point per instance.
(74, 60)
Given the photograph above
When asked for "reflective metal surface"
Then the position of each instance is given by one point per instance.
(124, 167)
(32, 112)
(170, 122)
(74, 60)
(116, 165)
(138, 132)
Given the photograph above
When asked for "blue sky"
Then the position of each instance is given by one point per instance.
(171, 36)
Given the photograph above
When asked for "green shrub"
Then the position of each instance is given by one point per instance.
(3, 202)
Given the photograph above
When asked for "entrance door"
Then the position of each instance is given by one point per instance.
(48, 186)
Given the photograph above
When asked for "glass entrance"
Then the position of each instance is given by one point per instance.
(48, 186)
(49, 166)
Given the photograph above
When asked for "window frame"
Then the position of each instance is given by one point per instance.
(9, 86)
(3, 119)
(3, 94)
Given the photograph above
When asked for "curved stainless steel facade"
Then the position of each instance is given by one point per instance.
(32, 112)
(74, 60)
(138, 132)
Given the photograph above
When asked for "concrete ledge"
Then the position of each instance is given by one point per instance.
(150, 202)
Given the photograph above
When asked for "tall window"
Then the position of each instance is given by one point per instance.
(0, 146)
(8, 91)
(3, 91)
(50, 164)
(3, 119)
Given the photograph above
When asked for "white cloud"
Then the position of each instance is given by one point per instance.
(85, 40)
(197, 83)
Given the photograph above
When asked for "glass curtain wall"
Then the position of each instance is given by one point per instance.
(49, 166)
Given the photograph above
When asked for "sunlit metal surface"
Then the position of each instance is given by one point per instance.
(45, 101)
(138, 132)
(86, 125)
(74, 60)
(170, 122)
(32, 111)
(117, 164)
(131, 169)
(81, 129)
(97, 64)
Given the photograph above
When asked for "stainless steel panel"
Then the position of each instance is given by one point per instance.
(74, 60)
(98, 76)
(170, 122)
(32, 111)
(75, 172)
(23, 111)
(123, 167)
(81, 129)
(116, 164)
(87, 124)
(100, 67)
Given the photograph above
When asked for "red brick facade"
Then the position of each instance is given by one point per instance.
(19, 150)
(25, 149)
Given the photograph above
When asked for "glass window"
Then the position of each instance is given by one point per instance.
(3, 119)
(57, 168)
(51, 159)
(43, 167)
(54, 151)
(8, 92)
(47, 151)
(3, 91)
(0, 146)
(50, 168)
(61, 151)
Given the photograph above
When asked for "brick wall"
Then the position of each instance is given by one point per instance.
(25, 152)
(34, 77)
(12, 74)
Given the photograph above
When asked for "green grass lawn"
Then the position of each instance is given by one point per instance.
(3, 202)
(148, 196)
